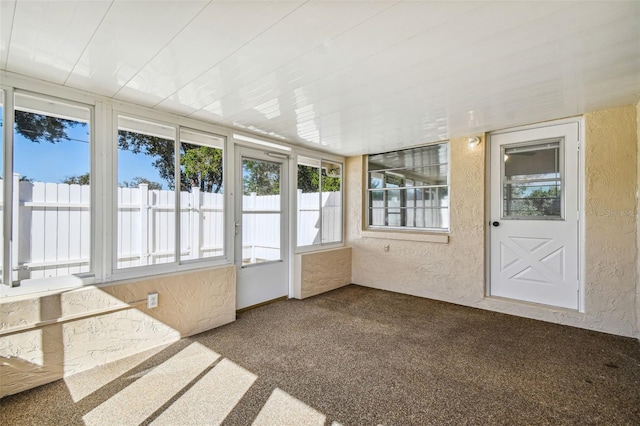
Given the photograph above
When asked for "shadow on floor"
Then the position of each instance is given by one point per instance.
(357, 356)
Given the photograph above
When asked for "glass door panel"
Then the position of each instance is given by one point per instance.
(261, 211)
(532, 181)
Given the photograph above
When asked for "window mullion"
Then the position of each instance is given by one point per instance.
(398, 203)
(8, 108)
(177, 188)
(320, 206)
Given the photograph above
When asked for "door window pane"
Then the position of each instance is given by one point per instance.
(532, 181)
(260, 238)
(261, 211)
(262, 178)
(146, 199)
(201, 195)
(52, 201)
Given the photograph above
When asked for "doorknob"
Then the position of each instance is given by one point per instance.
(237, 225)
(496, 223)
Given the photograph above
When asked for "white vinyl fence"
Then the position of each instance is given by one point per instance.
(431, 211)
(309, 218)
(53, 226)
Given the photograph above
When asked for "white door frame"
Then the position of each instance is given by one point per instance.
(581, 203)
(252, 271)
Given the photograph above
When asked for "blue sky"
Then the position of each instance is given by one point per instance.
(47, 162)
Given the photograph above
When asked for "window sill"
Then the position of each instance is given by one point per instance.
(407, 236)
(318, 247)
(55, 285)
(44, 287)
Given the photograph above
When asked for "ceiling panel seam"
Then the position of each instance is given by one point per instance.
(163, 47)
(5, 60)
(424, 63)
(347, 65)
(293, 59)
(88, 43)
(233, 53)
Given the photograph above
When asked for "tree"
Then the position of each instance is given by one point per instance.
(137, 181)
(330, 183)
(162, 151)
(202, 167)
(308, 180)
(43, 128)
(260, 177)
(539, 202)
(84, 179)
(546, 202)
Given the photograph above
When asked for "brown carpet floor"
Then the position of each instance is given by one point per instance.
(361, 356)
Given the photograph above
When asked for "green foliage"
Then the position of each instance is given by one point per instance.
(330, 183)
(546, 202)
(42, 128)
(261, 177)
(308, 180)
(84, 179)
(160, 149)
(137, 181)
(538, 202)
(202, 167)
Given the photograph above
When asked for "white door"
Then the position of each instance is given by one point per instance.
(261, 222)
(534, 215)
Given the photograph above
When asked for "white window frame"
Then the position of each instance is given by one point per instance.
(103, 128)
(33, 285)
(321, 158)
(177, 265)
(406, 229)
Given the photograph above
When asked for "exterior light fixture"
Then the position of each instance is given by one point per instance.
(474, 141)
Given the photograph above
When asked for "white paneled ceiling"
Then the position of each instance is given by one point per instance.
(349, 77)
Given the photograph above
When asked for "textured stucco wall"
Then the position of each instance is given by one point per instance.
(189, 303)
(455, 271)
(320, 271)
(610, 219)
(638, 222)
(452, 271)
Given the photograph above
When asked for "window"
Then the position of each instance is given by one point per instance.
(146, 197)
(532, 181)
(51, 189)
(163, 189)
(2, 187)
(409, 189)
(319, 202)
(201, 195)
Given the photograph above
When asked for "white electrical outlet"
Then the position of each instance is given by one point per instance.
(152, 300)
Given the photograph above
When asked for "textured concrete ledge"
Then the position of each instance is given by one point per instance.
(321, 271)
